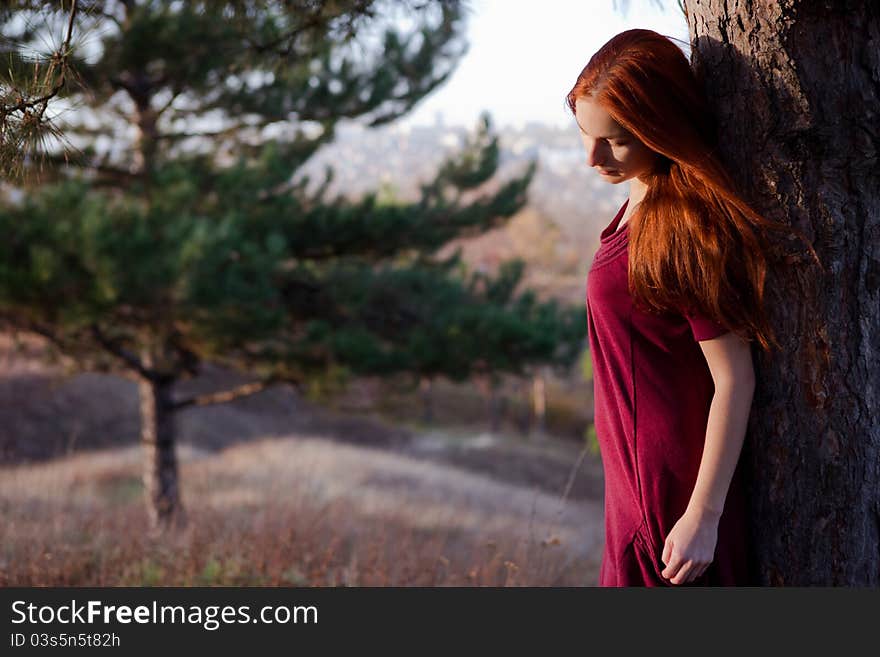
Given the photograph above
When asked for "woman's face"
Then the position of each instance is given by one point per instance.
(613, 151)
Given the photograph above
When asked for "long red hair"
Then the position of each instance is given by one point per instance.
(695, 245)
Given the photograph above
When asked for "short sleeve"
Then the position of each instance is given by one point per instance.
(704, 328)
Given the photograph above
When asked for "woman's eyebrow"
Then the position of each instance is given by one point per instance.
(616, 135)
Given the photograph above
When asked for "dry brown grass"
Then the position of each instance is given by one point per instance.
(290, 512)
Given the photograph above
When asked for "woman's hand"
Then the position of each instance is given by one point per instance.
(690, 546)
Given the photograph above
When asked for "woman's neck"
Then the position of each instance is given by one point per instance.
(637, 191)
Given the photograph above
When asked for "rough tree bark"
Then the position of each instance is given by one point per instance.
(796, 88)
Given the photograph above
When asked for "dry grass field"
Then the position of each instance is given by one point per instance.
(280, 492)
(295, 511)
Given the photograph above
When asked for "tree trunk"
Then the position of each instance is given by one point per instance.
(146, 118)
(523, 418)
(160, 461)
(539, 403)
(499, 406)
(426, 386)
(796, 88)
(487, 384)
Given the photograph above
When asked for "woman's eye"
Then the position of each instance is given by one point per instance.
(619, 143)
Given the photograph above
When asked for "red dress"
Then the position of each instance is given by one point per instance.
(652, 392)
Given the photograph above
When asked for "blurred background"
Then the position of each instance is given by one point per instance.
(293, 293)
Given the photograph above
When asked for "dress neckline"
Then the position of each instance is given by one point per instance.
(612, 242)
(611, 233)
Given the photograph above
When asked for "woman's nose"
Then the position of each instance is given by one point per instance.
(595, 154)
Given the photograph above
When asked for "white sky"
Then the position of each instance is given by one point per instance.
(525, 55)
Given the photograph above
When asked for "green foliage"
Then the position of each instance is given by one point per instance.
(212, 573)
(184, 238)
(586, 365)
(478, 161)
(591, 440)
(150, 574)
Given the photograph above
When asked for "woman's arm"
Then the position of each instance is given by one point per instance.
(690, 546)
(730, 362)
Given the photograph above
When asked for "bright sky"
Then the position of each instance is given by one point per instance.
(525, 55)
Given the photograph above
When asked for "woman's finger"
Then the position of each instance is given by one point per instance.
(681, 577)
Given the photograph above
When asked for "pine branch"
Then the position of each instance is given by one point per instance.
(317, 21)
(60, 58)
(37, 328)
(114, 348)
(245, 390)
(23, 124)
(118, 175)
(223, 132)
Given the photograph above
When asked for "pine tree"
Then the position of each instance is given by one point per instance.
(180, 233)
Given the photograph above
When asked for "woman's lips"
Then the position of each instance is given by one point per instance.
(607, 173)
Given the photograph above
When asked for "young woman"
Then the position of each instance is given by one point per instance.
(674, 302)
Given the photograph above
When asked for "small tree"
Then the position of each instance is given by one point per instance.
(195, 241)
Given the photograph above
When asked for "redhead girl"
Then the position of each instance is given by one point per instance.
(674, 304)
